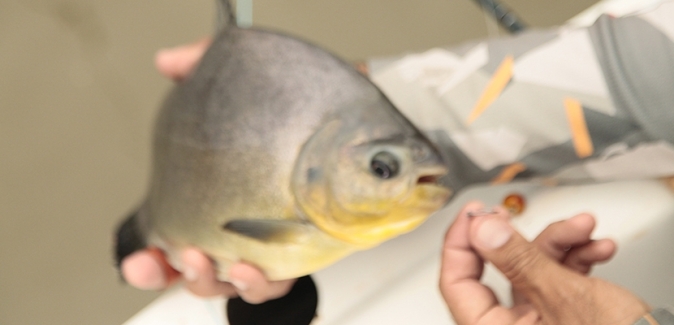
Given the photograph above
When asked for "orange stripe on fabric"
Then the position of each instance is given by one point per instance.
(495, 87)
(579, 133)
(508, 173)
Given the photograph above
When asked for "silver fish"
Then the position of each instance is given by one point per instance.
(276, 153)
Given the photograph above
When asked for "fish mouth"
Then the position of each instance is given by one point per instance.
(429, 179)
(431, 188)
(431, 176)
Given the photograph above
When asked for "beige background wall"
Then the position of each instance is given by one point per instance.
(78, 93)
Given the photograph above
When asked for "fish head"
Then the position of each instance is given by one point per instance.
(368, 175)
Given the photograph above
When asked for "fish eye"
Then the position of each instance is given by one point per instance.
(384, 165)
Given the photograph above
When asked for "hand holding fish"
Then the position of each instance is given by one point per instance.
(148, 269)
(549, 275)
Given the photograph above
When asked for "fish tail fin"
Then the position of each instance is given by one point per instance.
(129, 238)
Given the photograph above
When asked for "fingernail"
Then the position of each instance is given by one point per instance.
(169, 56)
(494, 233)
(172, 52)
(240, 285)
(480, 213)
(190, 274)
(144, 272)
(165, 55)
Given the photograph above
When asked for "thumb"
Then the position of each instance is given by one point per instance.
(528, 269)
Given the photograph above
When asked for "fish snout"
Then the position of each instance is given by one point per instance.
(431, 175)
(429, 185)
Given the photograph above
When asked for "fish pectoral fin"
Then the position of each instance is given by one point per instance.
(272, 231)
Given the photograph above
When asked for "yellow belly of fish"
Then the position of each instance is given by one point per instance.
(358, 225)
(284, 261)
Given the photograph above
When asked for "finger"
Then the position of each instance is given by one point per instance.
(556, 240)
(253, 287)
(200, 275)
(459, 262)
(526, 312)
(177, 63)
(457, 233)
(581, 259)
(148, 270)
(461, 269)
(556, 292)
(529, 270)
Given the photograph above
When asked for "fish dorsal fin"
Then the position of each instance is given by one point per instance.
(226, 16)
(272, 231)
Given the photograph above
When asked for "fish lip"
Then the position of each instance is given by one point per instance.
(431, 176)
